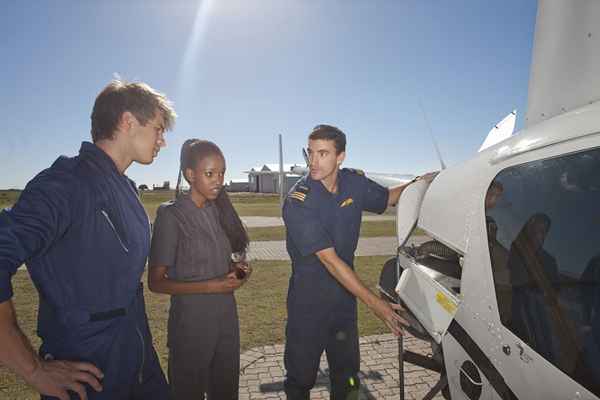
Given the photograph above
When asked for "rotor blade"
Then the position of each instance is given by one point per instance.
(435, 145)
(305, 155)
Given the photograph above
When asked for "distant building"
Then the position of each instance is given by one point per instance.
(238, 185)
(265, 178)
(165, 186)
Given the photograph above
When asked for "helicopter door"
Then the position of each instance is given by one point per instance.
(543, 232)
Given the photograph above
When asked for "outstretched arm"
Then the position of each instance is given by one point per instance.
(396, 191)
(348, 278)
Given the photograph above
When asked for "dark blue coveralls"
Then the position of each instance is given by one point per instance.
(321, 312)
(81, 230)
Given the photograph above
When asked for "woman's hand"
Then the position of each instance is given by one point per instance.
(230, 282)
(244, 270)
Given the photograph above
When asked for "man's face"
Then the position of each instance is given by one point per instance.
(147, 140)
(323, 160)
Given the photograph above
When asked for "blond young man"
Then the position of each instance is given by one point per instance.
(82, 232)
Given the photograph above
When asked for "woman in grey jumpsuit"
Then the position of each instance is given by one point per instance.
(194, 237)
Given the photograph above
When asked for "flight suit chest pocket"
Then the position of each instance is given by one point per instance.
(193, 255)
(348, 217)
(114, 227)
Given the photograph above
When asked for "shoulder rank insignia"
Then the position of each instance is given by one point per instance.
(356, 171)
(303, 189)
(299, 193)
(347, 202)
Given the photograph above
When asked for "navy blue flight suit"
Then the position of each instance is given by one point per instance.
(84, 235)
(321, 312)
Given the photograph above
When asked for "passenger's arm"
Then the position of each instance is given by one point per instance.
(159, 282)
(348, 278)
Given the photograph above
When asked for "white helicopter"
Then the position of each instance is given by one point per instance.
(505, 283)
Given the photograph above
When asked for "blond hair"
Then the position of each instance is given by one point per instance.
(137, 97)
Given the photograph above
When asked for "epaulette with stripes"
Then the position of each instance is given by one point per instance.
(356, 171)
(299, 193)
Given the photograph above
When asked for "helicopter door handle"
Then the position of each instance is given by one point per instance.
(522, 355)
(461, 369)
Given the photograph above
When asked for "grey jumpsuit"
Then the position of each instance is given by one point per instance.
(203, 329)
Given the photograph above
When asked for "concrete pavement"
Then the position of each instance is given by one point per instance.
(262, 222)
(262, 371)
(275, 249)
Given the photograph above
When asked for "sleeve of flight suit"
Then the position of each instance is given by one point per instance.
(304, 226)
(165, 236)
(375, 196)
(42, 214)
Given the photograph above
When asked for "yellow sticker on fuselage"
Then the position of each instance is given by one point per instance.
(446, 303)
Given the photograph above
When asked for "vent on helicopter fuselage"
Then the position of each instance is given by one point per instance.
(435, 249)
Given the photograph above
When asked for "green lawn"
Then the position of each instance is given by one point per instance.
(8, 197)
(246, 204)
(367, 229)
(261, 306)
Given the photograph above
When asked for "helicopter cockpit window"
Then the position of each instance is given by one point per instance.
(543, 227)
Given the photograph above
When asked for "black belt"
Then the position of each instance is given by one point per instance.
(93, 317)
(104, 315)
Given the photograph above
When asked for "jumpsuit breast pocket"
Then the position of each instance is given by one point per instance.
(193, 255)
(348, 221)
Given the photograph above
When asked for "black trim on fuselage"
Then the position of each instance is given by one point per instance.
(481, 360)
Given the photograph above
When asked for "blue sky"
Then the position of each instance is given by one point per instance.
(241, 72)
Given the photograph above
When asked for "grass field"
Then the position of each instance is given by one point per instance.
(8, 197)
(255, 204)
(261, 306)
(367, 229)
(246, 204)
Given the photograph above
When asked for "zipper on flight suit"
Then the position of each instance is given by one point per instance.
(114, 230)
(141, 372)
(137, 329)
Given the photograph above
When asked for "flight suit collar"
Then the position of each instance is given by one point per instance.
(318, 185)
(98, 156)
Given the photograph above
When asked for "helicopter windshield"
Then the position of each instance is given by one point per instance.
(543, 225)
